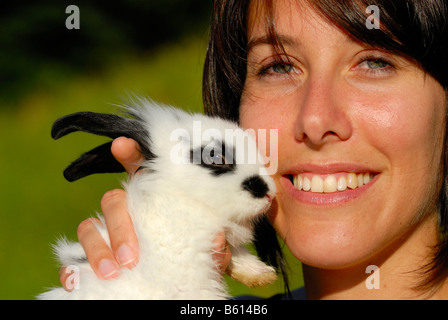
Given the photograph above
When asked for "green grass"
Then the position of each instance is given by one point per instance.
(36, 204)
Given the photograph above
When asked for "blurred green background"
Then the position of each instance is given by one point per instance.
(154, 48)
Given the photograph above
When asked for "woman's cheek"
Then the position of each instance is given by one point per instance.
(403, 128)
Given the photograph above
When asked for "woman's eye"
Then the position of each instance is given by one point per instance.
(374, 64)
(282, 68)
(377, 64)
(278, 69)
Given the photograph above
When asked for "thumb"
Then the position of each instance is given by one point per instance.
(221, 252)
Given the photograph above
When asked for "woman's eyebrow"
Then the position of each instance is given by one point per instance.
(283, 40)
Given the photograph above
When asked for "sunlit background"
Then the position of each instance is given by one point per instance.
(152, 47)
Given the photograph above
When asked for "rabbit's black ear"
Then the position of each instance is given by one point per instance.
(98, 160)
(104, 124)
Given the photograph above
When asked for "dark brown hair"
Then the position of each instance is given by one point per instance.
(414, 29)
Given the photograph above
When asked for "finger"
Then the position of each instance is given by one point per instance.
(126, 151)
(221, 252)
(100, 256)
(119, 224)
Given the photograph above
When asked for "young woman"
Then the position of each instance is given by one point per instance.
(360, 110)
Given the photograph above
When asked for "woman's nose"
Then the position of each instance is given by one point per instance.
(323, 116)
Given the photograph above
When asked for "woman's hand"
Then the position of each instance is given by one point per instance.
(107, 261)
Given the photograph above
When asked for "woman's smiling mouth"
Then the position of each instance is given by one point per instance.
(329, 185)
(331, 182)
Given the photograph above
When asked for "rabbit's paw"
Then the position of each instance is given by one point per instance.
(253, 274)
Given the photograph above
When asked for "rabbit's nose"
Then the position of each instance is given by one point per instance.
(256, 186)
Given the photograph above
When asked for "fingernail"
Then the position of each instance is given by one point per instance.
(108, 269)
(126, 256)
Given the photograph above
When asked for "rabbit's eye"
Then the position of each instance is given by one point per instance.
(213, 158)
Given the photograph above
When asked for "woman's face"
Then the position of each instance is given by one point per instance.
(359, 138)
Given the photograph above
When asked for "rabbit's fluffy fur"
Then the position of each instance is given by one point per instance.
(177, 209)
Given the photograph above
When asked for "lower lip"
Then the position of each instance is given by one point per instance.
(326, 199)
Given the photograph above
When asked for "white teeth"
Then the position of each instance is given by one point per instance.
(366, 178)
(352, 181)
(306, 184)
(330, 183)
(317, 184)
(360, 179)
(342, 184)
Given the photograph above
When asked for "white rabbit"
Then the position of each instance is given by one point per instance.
(199, 178)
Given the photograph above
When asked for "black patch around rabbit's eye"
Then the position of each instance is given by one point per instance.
(214, 158)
